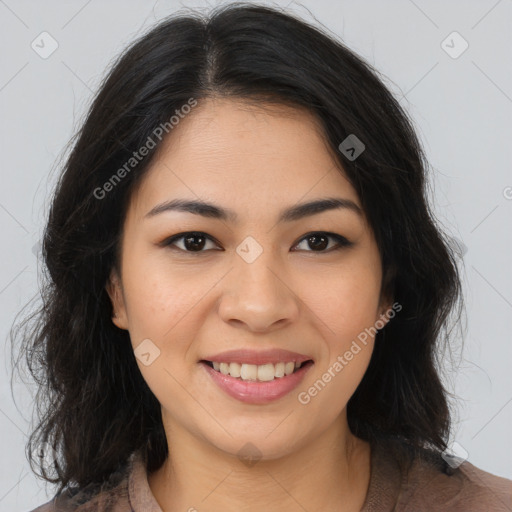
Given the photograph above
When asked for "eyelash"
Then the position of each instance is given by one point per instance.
(341, 240)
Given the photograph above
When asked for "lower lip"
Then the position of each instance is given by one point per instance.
(254, 392)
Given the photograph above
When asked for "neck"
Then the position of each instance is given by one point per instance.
(332, 472)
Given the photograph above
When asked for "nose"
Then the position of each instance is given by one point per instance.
(257, 296)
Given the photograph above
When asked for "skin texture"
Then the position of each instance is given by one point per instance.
(294, 296)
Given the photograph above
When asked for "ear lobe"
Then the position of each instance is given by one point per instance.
(115, 292)
(383, 319)
(386, 307)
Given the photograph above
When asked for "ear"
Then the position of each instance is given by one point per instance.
(385, 307)
(115, 292)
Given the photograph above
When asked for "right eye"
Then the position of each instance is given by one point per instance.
(193, 241)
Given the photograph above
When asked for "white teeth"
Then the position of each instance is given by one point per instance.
(249, 372)
(235, 369)
(266, 372)
(262, 372)
(289, 367)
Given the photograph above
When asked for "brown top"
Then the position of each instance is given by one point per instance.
(427, 485)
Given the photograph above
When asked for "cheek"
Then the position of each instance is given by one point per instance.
(160, 311)
(345, 299)
(348, 346)
(158, 297)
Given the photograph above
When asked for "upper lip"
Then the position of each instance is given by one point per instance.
(258, 357)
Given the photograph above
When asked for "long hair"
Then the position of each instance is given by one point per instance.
(94, 407)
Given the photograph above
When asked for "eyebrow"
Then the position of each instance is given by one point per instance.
(289, 214)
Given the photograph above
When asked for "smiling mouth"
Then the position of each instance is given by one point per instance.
(257, 373)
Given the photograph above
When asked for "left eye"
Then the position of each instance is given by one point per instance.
(320, 240)
(194, 241)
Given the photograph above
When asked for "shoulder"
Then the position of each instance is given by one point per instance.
(111, 495)
(430, 483)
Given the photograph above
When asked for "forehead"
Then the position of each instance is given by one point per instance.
(245, 156)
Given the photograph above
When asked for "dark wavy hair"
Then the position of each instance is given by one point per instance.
(94, 407)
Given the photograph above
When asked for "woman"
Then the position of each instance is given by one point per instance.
(247, 287)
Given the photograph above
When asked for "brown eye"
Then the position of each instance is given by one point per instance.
(195, 242)
(192, 242)
(319, 241)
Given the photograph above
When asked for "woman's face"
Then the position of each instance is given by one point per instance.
(251, 282)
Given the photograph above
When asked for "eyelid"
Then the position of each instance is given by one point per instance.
(342, 242)
(178, 236)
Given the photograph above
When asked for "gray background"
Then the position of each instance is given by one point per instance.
(461, 107)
